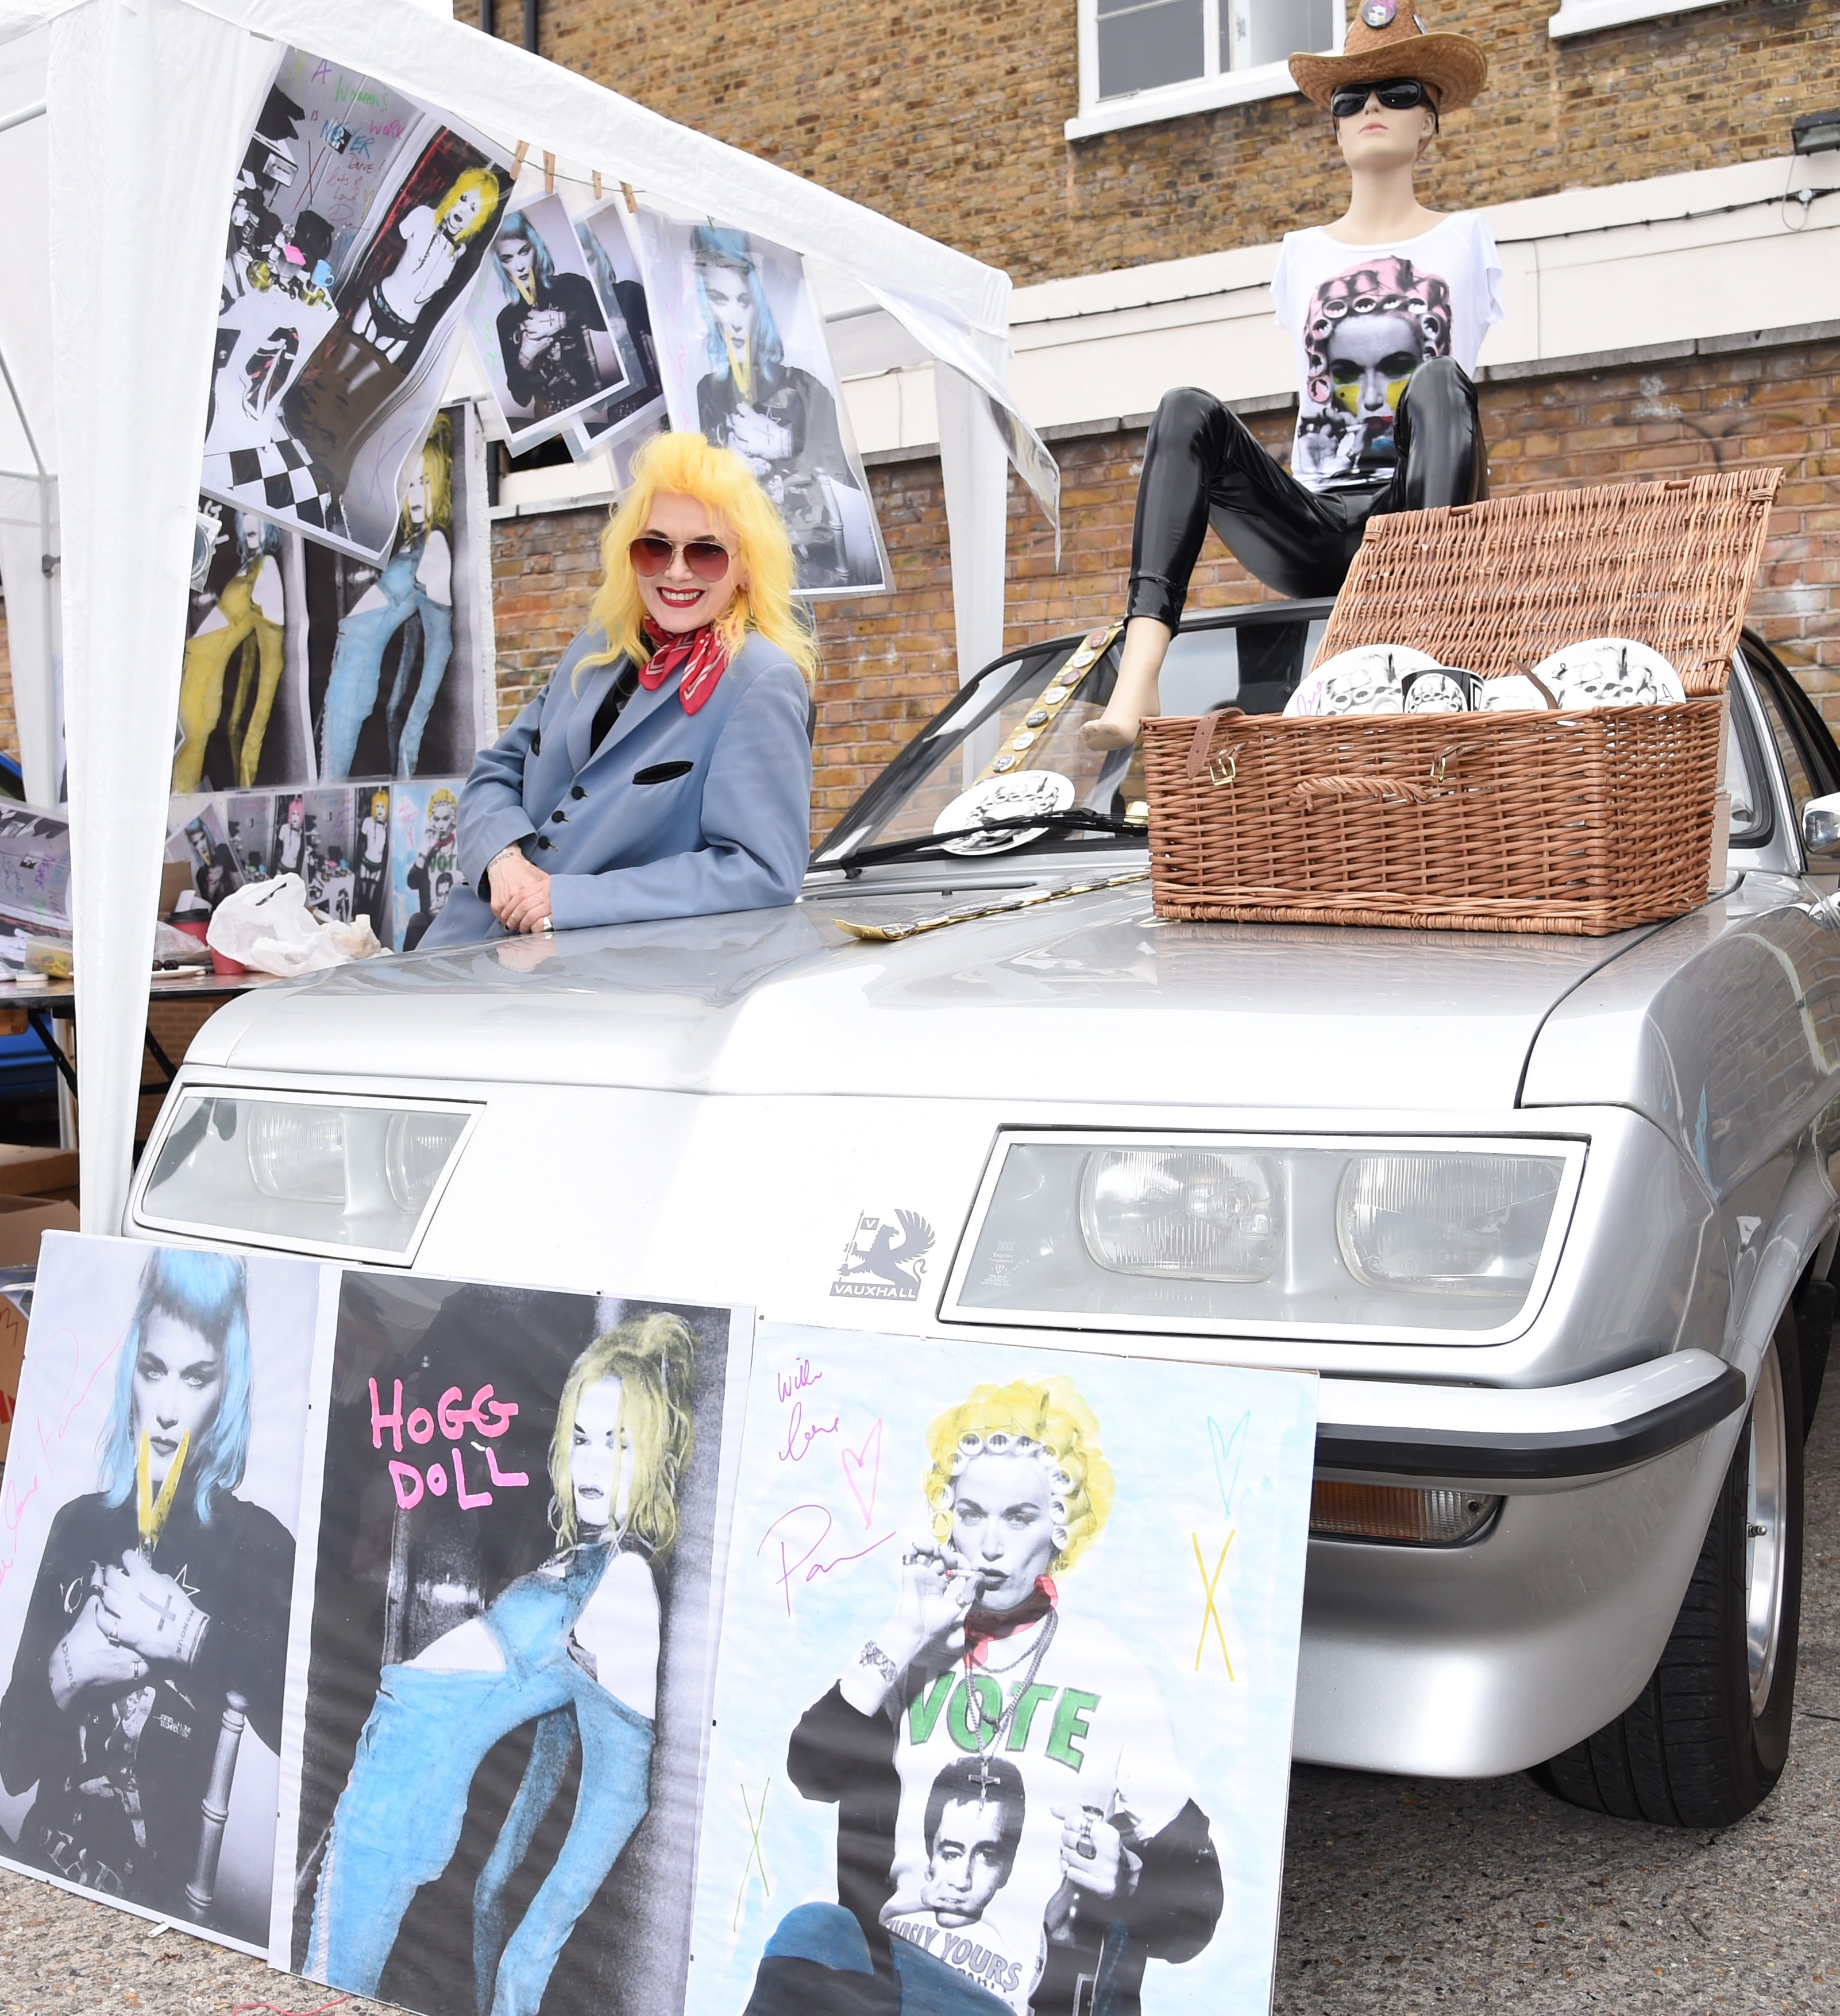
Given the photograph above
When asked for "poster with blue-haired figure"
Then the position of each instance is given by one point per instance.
(537, 327)
(1003, 1702)
(741, 349)
(148, 1519)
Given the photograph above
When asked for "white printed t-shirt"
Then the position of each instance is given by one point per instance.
(1091, 1731)
(1362, 318)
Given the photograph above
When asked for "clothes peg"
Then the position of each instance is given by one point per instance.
(597, 185)
(548, 174)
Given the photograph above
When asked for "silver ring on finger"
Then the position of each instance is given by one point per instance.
(547, 927)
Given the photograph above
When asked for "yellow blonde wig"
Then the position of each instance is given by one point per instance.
(438, 473)
(481, 182)
(654, 1359)
(1046, 1418)
(688, 466)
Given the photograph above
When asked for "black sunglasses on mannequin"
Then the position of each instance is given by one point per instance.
(1396, 94)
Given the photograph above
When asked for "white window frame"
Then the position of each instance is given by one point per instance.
(1583, 17)
(1192, 94)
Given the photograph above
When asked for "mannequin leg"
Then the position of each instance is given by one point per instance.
(1443, 459)
(270, 658)
(1202, 466)
(351, 690)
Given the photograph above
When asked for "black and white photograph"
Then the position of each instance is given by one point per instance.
(633, 414)
(242, 722)
(511, 1638)
(741, 350)
(329, 866)
(399, 657)
(150, 1503)
(35, 867)
(248, 825)
(538, 325)
(203, 845)
(359, 220)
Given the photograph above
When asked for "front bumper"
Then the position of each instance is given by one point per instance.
(1476, 1660)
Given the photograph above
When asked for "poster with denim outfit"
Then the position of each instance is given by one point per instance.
(503, 1704)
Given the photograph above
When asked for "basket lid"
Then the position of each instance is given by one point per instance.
(1495, 586)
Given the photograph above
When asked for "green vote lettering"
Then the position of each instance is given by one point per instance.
(1030, 1699)
(922, 1711)
(1070, 1721)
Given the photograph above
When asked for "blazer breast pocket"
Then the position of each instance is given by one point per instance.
(662, 773)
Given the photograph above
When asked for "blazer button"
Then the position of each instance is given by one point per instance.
(576, 791)
(544, 841)
(558, 818)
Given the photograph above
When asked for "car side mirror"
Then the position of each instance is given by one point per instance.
(1820, 825)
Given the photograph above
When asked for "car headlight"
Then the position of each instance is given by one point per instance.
(1448, 1241)
(354, 1177)
(1456, 1225)
(1192, 1214)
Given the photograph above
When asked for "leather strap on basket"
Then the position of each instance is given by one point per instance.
(1382, 790)
(1222, 765)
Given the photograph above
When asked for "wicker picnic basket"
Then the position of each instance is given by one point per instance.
(1580, 822)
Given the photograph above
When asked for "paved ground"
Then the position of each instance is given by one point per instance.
(1401, 1895)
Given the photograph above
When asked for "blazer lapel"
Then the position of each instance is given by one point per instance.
(580, 724)
(642, 706)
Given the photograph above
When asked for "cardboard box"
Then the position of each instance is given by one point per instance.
(23, 1220)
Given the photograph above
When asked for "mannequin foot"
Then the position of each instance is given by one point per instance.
(1110, 730)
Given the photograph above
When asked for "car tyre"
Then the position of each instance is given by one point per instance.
(1706, 1739)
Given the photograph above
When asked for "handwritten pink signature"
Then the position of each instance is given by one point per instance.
(807, 1527)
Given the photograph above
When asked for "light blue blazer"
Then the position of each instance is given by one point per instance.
(675, 815)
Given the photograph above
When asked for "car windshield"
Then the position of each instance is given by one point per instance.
(1007, 750)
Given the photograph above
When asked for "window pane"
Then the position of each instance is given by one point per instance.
(1271, 30)
(1142, 47)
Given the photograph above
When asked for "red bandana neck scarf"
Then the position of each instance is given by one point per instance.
(985, 1627)
(701, 654)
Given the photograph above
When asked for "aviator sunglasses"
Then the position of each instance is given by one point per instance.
(1397, 94)
(650, 555)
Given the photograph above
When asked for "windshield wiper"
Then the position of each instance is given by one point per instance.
(1076, 819)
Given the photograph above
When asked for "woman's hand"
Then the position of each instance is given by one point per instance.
(520, 893)
(937, 1589)
(542, 327)
(1093, 1856)
(84, 1657)
(148, 1613)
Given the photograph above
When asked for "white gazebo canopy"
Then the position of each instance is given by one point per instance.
(122, 123)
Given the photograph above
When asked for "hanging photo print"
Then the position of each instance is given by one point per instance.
(512, 1636)
(329, 826)
(242, 721)
(741, 349)
(359, 220)
(150, 1506)
(202, 844)
(1003, 1709)
(635, 414)
(424, 857)
(248, 825)
(538, 326)
(34, 867)
(399, 656)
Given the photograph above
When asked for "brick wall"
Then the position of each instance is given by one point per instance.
(948, 117)
(889, 660)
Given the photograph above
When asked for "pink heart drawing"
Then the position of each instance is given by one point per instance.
(855, 1462)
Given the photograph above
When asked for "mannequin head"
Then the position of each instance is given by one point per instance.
(1378, 140)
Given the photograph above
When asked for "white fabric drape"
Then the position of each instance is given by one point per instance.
(28, 535)
(148, 105)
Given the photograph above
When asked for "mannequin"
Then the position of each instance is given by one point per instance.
(1387, 307)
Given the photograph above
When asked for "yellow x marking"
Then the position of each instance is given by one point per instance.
(1211, 1615)
(756, 1858)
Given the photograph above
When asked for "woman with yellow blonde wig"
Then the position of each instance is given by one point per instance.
(1013, 1823)
(572, 1647)
(665, 771)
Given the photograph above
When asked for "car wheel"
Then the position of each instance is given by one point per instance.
(1706, 1739)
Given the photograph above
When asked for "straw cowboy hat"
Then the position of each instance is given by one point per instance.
(1387, 39)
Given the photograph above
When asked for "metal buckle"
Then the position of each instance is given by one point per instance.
(1223, 769)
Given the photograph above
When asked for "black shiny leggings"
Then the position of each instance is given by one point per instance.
(1202, 466)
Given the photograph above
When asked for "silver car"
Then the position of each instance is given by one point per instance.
(1553, 1219)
